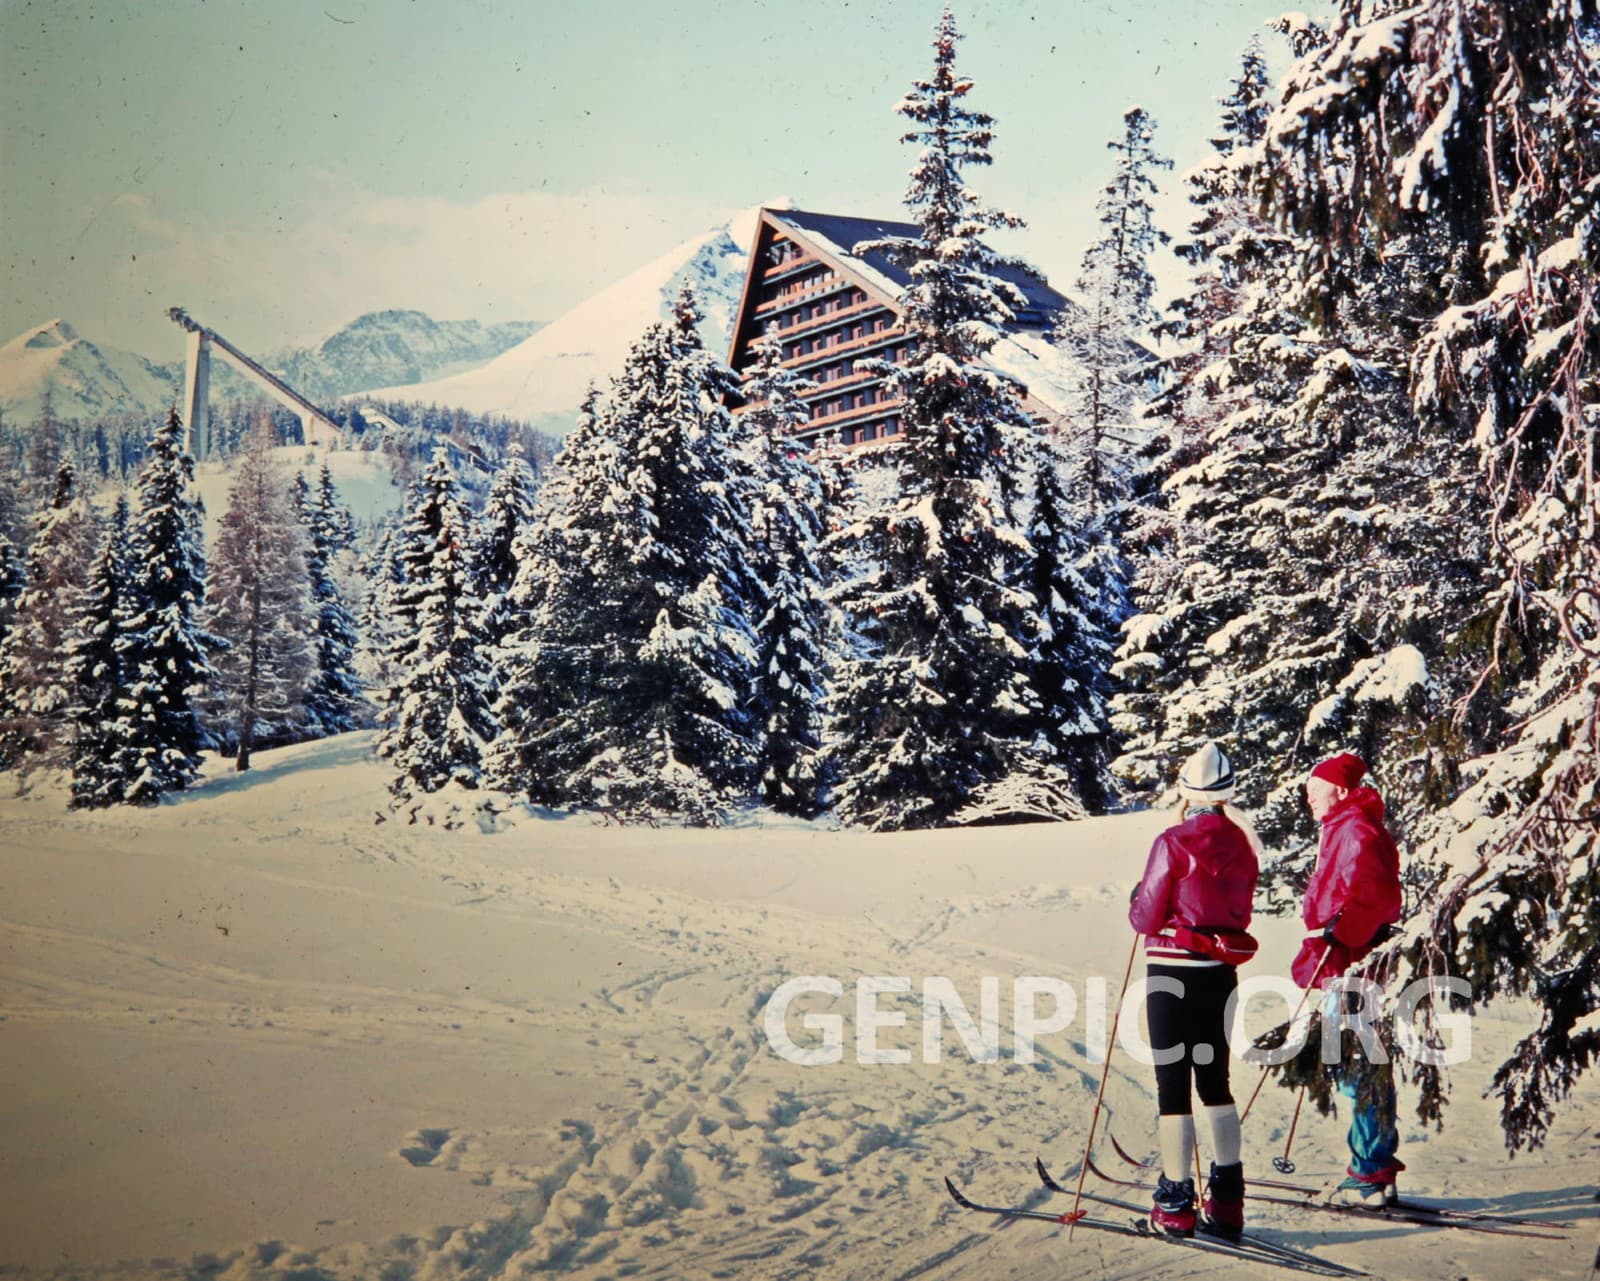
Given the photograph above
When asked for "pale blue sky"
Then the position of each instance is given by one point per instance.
(279, 167)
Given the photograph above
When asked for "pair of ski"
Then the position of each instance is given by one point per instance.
(1248, 1246)
(1245, 1247)
(1310, 1198)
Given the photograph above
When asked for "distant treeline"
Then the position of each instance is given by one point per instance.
(109, 449)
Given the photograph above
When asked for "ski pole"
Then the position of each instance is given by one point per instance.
(1304, 997)
(1282, 1164)
(1094, 1121)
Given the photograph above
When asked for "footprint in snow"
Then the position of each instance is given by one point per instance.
(422, 1147)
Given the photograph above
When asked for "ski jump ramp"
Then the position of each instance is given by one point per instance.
(200, 342)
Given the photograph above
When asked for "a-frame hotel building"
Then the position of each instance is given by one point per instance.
(831, 307)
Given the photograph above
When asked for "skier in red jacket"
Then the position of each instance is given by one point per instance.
(1351, 904)
(1193, 907)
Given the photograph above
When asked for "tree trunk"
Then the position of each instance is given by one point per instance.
(247, 721)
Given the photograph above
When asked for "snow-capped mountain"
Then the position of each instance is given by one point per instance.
(542, 380)
(392, 348)
(83, 380)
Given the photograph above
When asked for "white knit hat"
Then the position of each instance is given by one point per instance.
(1207, 776)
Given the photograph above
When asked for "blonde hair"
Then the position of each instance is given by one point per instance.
(1232, 813)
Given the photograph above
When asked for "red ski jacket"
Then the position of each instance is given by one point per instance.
(1201, 875)
(1355, 889)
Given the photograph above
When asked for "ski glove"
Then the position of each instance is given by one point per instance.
(1306, 964)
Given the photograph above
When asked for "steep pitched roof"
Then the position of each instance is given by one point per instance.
(1025, 351)
(845, 233)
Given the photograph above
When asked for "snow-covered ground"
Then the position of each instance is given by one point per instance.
(253, 1033)
(364, 479)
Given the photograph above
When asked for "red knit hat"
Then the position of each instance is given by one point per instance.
(1344, 770)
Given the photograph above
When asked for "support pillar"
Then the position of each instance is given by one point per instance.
(311, 428)
(197, 392)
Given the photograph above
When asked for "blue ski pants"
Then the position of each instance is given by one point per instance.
(1374, 1138)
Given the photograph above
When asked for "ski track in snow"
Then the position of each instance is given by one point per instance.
(550, 1038)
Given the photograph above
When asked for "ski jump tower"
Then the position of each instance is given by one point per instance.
(317, 427)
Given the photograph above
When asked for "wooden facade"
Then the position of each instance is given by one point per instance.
(831, 308)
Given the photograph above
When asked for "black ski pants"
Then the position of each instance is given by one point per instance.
(1194, 1021)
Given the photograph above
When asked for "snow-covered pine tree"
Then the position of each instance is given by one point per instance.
(299, 489)
(333, 514)
(1311, 553)
(1247, 105)
(544, 537)
(1226, 249)
(259, 604)
(506, 516)
(932, 711)
(383, 574)
(539, 725)
(1109, 334)
(1242, 348)
(13, 577)
(1071, 657)
(791, 633)
(35, 694)
(1184, 547)
(162, 644)
(1367, 548)
(333, 698)
(95, 668)
(536, 745)
(42, 453)
(1405, 118)
(699, 655)
(639, 656)
(436, 718)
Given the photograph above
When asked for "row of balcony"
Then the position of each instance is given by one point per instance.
(852, 437)
(812, 325)
(824, 284)
(855, 347)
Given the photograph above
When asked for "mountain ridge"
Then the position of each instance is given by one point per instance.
(542, 380)
(86, 380)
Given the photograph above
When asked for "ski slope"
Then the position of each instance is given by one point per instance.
(364, 479)
(254, 1033)
(543, 379)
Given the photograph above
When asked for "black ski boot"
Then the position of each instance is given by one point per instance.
(1224, 1208)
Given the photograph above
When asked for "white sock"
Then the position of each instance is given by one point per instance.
(1224, 1121)
(1177, 1146)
